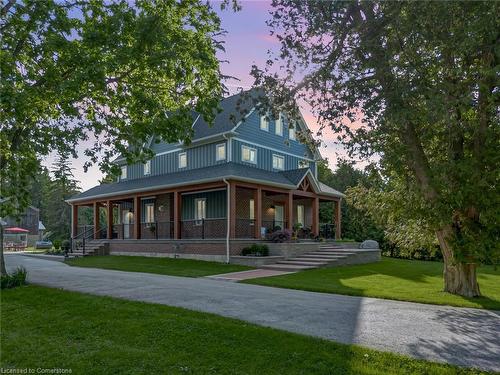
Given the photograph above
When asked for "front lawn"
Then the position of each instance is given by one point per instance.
(405, 280)
(49, 328)
(161, 266)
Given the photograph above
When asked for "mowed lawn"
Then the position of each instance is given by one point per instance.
(405, 280)
(161, 266)
(49, 328)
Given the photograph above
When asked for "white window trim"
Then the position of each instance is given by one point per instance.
(217, 157)
(280, 157)
(264, 120)
(199, 221)
(290, 132)
(250, 149)
(147, 168)
(179, 157)
(123, 175)
(279, 121)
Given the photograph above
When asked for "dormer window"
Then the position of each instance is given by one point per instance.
(278, 162)
(123, 176)
(147, 168)
(279, 125)
(291, 134)
(182, 160)
(264, 123)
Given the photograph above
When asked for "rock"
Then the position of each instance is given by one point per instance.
(369, 244)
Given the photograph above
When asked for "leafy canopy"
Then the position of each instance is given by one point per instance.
(104, 73)
(413, 86)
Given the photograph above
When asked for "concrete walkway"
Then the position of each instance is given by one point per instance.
(467, 337)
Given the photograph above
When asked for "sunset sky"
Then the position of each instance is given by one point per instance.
(247, 42)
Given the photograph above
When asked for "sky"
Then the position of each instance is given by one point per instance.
(246, 43)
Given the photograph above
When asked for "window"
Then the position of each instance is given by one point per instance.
(149, 213)
(147, 167)
(220, 152)
(279, 125)
(300, 214)
(124, 172)
(251, 209)
(264, 123)
(278, 162)
(182, 160)
(249, 154)
(291, 134)
(303, 164)
(200, 209)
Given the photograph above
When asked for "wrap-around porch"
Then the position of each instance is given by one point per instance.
(202, 211)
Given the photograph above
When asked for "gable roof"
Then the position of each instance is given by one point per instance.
(286, 179)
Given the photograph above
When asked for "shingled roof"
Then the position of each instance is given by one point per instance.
(286, 179)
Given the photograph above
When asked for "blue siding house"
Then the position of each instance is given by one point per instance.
(240, 179)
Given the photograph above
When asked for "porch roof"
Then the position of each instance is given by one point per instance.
(286, 179)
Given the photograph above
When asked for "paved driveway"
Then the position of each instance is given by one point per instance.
(461, 336)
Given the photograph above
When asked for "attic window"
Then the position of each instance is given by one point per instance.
(279, 125)
(264, 123)
(291, 134)
(124, 173)
(147, 168)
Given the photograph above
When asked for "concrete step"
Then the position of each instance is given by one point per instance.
(321, 256)
(318, 259)
(287, 267)
(333, 253)
(303, 262)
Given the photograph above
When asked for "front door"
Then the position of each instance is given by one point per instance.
(279, 216)
(127, 220)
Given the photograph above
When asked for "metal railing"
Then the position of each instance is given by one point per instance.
(157, 230)
(327, 230)
(123, 231)
(245, 228)
(204, 228)
(274, 225)
(84, 233)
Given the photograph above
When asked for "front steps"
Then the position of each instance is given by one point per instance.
(326, 256)
(92, 247)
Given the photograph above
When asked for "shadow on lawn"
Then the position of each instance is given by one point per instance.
(473, 336)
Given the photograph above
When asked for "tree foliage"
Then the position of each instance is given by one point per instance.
(108, 73)
(414, 85)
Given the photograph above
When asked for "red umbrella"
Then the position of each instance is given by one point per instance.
(16, 230)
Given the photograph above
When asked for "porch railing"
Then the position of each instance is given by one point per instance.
(245, 228)
(84, 233)
(157, 230)
(327, 230)
(274, 225)
(204, 228)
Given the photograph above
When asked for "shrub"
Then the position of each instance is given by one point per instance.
(255, 250)
(65, 245)
(57, 244)
(17, 278)
(281, 236)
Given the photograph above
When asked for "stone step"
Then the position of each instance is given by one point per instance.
(338, 253)
(287, 267)
(322, 256)
(318, 259)
(303, 262)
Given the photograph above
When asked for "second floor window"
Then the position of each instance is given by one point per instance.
(291, 134)
(124, 173)
(220, 152)
(264, 123)
(278, 162)
(248, 154)
(279, 125)
(183, 160)
(147, 167)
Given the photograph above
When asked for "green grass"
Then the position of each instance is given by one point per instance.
(161, 266)
(405, 280)
(49, 328)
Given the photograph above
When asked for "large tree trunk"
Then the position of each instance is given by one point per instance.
(459, 278)
(3, 271)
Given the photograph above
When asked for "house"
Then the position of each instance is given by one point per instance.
(240, 179)
(29, 221)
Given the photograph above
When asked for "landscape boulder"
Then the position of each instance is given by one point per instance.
(369, 244)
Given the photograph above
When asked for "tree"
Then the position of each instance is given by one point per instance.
(63, 186)
(356, 222)
(105, 72)
(422, 78)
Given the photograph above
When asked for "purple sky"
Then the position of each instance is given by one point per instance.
(247, 43)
